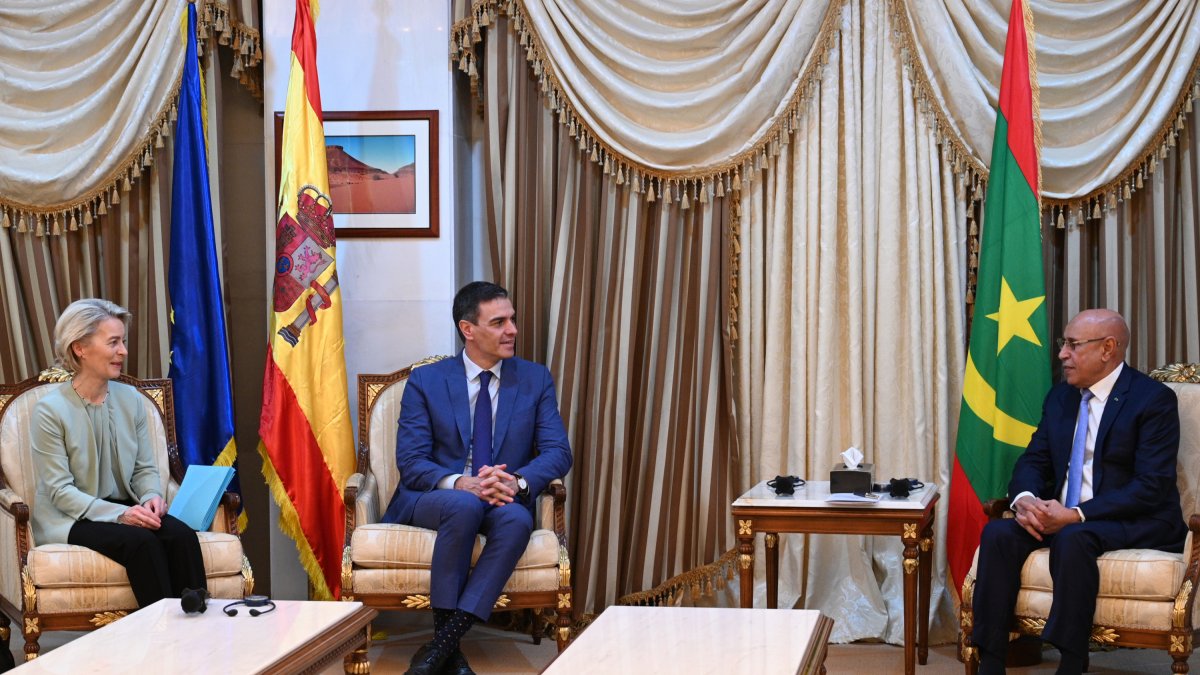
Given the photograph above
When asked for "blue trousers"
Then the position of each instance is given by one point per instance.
(1003, 548)
(458, 516)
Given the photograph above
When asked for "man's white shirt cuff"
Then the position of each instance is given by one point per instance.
(447, 483)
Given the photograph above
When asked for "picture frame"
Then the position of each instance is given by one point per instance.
(383, 172)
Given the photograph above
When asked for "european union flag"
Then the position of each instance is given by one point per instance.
(199, 353)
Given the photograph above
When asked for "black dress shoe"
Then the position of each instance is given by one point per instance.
(428, 660)
(457, 665)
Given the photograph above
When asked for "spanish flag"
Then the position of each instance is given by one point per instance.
(307, 444)
(1008, 360)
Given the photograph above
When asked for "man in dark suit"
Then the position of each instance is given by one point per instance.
(479, 438)
(1098, 475)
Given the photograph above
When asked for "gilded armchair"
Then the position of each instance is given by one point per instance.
(1147, 597)
(64, 587)
(386, 566)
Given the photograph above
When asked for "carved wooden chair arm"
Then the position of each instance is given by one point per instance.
(350, 500)
(997, 508)
(558, 492)
(231, 503)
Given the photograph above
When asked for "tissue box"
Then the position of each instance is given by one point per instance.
(861, 479)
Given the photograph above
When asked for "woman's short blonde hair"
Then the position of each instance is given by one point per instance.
(79, 322)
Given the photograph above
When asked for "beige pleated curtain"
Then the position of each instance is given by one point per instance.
(86, 141)
(815, 272)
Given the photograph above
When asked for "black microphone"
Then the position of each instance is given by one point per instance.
(194, 600)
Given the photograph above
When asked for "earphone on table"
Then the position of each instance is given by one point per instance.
(254, 602)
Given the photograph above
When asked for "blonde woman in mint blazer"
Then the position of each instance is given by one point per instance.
(97, 482)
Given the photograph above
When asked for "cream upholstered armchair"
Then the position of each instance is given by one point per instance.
(386, 566)
(1147, 597)
(64, 587)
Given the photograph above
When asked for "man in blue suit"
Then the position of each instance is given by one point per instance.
(1098, 475)
(479, 438)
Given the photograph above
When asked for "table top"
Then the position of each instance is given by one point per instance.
(815, 493)
(162, 639)
(697, 640)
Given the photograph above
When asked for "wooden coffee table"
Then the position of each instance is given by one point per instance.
(298, 637)
(698, 640)
(761, 510)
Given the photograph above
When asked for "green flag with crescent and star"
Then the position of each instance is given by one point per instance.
(1008, 361)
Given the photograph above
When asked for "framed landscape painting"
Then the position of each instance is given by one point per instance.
(383, 172)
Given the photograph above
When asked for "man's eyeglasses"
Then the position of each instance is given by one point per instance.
(1075, 344)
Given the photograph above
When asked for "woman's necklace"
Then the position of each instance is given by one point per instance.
(86, 399)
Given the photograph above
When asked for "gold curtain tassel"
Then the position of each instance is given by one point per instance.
(685, 202)
(595, 157)
(74, 224)
(41, 227)
(87, 216)
(970, 296)
(720, 187)
(1128, 192)
(1153, 162)
(22, 227)
(134, 171)
(667, 194)
(607, 166)
(974, 259)
(158, 141)
(620, 174)
(650, 192)
(1060, 222)
(127, 184)
(1095, 210)
(703, 193)
(1139, 180)
(115, 198)
(4, 223)
(974, 228)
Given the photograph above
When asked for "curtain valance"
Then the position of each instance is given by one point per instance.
(673, 97)
(87, 91)
(1115, 78)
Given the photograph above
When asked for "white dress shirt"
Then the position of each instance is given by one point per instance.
(1100, 393)
(473, 371)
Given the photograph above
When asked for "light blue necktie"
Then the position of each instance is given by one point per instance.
(1075, 468)
(481, 436)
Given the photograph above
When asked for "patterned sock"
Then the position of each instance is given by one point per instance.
(440, 617)
(446, 638)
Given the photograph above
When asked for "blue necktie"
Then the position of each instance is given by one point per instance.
(1075, 468)
(481, 435)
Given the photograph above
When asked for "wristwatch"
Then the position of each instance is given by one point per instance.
(522, 486)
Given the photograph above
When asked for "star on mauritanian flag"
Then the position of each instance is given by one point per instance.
(1013, 317)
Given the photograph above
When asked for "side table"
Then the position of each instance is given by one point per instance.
(807, 511)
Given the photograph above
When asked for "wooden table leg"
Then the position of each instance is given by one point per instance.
(926, 564)
(910, 597)
(746, 562)
(772, 546)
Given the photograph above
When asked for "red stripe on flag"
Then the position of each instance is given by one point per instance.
(1016, 97)
(303, 472)
(962, 530)
(304, 45)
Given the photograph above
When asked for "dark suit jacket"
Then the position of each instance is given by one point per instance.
(1133, 468)
(434, 430)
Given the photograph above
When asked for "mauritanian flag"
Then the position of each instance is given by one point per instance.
(306, 439)
(1008, 362)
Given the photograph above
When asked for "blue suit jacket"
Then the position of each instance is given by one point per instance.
(1133, 468)
(434, 430)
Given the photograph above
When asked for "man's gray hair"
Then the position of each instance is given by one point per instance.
(79, 322)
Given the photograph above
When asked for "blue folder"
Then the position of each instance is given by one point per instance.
(198, 497)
